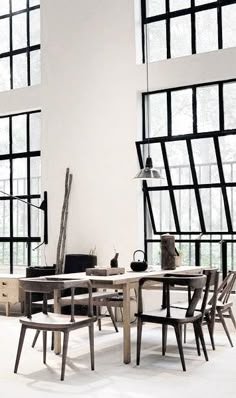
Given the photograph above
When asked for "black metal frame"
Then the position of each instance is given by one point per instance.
(192, 10)
(195, 186)
(26, 50)
(28, 197)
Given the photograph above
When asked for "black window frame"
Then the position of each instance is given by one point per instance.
(24, 50)
(192, 10)
(149, 219)
(28, 154)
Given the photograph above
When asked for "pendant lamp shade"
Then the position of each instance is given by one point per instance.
(149, 172)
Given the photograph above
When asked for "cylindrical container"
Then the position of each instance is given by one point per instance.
(168, 252)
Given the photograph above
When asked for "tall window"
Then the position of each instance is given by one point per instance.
(19, 176)
(193, 141)
(19, 44)
(183, 27)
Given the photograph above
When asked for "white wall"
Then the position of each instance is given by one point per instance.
(90, 101)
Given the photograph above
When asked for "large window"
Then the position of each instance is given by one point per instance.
(19, 176)
(19, 44)
(192, 143)
(183, 27)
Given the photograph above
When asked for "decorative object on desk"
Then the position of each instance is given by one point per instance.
(168, 252)
(139, 266)
(114, 261)
(64, 217)
(99, 271)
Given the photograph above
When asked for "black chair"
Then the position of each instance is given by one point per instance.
(205, 306)
(224, 305)
(175, 317)
(47, 321)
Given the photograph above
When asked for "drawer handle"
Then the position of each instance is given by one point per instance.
(4, 283)
(4, 295)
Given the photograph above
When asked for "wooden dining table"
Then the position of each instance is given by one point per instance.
(124, 282)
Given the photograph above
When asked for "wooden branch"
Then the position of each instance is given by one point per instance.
(62, 254)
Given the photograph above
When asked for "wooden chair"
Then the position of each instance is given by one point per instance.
(205, 306)
(46, 321)
(176, 317)
(223, 305)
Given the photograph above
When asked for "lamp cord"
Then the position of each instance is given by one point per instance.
(147, 96)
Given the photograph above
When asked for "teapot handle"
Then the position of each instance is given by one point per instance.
(136, 251)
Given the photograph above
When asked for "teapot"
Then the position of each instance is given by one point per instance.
(138, 266)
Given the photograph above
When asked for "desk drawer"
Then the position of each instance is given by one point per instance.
(9, 283)
(10, 296)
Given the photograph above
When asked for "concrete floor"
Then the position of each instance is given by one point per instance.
(156, 376)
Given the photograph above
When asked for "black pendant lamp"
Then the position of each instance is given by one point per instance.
(149, 172)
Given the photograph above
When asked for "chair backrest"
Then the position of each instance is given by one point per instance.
(226, 287)
(47, 285)
(196, 283)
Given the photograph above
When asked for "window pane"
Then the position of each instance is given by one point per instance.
(228, 26)
(4, 136)
(231, 193)
(4, 218)
(207, 39)
(182, 119)
(34, 2)
(34, 27)
(5, 35)
(187, 210)
(35, 123)
(18, 5)
(19, 71)
(157, 41)
(4, 256)
(20, 218)
(35, 170)
(208, 108)
(4, 74)
(4, 176)
(213, 209)
(179, 162)
(36, 215)
(157, 158)
(177, 5)
(36, 255)
(180, 36)
(154, 253)
(158, 115)
(19, 31)
(20, 254)
(4, 7)
(200, 2)
(19, 134)
(227, 149)
(162, 211)
(19, 176)
(155, 7)
(35, 75)
(230, 105)
(205, 161)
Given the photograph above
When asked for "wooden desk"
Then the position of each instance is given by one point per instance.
(125, 282)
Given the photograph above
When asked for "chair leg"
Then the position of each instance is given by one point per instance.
(164, 338)
(44, 346)
(64, 354)
(52, 341)
(139, 337)
(112, 317)
(185, 333)
(180, 345)
(201, 336)
(197, 339)
(35, 338)
(98, 314)
(210, 330)
(20, 345)
(232, 317)
(91, 344)
(221, 316)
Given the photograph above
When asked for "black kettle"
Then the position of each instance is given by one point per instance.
(139, 266)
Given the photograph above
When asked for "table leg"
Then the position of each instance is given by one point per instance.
(7, 306)
(126, 324)
(57, 335)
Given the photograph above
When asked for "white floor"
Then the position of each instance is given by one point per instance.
(156, 376)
